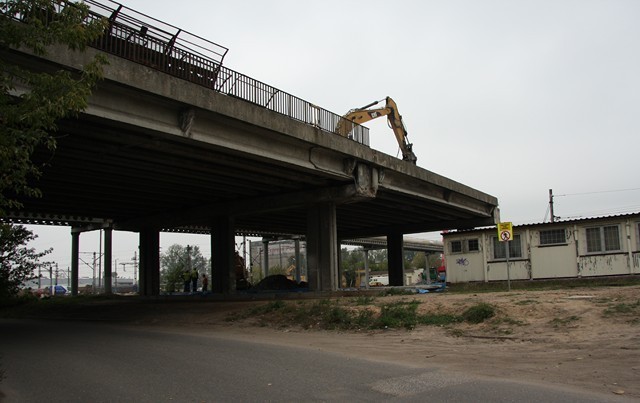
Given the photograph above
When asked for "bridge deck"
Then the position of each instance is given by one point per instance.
(172, 141)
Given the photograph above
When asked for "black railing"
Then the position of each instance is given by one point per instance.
(139, 38)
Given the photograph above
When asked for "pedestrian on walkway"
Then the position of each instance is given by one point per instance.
(194, 280)
(205, 283)
(186, 276)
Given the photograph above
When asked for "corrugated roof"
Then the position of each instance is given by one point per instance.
(557, 222)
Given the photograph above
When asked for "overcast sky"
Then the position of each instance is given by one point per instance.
(512, 98)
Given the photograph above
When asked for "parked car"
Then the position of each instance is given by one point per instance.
(60, 290)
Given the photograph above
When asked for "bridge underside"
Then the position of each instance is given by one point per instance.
(154, 153)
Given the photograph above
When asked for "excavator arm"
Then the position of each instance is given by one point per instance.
(364, 114)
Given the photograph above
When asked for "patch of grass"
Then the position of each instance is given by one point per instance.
(269, 307)
(555, 284)
(456, 332)
(336, 317)
(439, 319)
(364, 319)
(398, 314)
(527, 302)
(364, 300)
(479, 313)
(560, 322)
(395, 291)
(260, 310)
(623, 308)
(328, 315)
(354, 314)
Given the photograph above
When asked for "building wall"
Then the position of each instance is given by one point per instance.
(610, 262)
(555, 260)
(518, 270)
(465, 265)
(590, 247)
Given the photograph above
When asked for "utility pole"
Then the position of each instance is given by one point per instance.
(124, 267)
(93, 281)
(100, 262)
(189, 257)
(551, 205)
(135, 268)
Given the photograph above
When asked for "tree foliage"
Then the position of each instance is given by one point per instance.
(32, 102)
(18, 263)
(353, 260)
(175, 260)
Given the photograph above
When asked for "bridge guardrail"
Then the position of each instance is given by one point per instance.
(153, 43)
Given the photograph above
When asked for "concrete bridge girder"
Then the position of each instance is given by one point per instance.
(188, 156)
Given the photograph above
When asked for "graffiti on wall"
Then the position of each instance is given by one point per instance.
(462, 261)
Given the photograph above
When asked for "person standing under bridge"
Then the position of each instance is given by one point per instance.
(194, 280)
(186, 277)
(205, 283)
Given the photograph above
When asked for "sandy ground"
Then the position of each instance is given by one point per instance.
(587, 338)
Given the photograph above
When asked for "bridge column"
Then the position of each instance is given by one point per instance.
(149, 269)
(322, 248)
(395, 258)
(265, 258)
(108, 248)
(297, 257)
(223, 273)
(75, 260)
(366, 268)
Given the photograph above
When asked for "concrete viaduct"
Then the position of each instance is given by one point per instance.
(154, 152)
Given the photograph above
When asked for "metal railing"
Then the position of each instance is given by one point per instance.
(155, 44)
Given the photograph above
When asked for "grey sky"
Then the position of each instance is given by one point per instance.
(509, 97)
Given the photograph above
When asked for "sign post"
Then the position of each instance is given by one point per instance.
(505, 234)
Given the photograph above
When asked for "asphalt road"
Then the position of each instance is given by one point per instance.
(96, 362)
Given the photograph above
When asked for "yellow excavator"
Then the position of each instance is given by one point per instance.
(364, 114)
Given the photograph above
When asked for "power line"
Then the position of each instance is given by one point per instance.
(596, 192)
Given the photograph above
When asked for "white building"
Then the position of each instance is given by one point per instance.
(601, 246)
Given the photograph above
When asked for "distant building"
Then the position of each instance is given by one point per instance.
(600, 246)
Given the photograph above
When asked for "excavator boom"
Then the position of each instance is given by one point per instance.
(364, 114)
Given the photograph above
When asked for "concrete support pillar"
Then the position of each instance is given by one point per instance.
(108, 250)
(223, 270)
(75, 261)
(149, 268)
(322, 248)
(265, 257)
(298, 266)
(395, 258)
(366, 268)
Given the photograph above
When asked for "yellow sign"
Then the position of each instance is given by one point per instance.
(505, 231)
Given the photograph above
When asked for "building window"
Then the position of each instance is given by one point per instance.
(465, 245)
(473, 245)
(553, 237)
(456, 246)
(603, 239)
(515, 248)
(611, 238)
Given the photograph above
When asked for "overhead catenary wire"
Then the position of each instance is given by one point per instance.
(596, 192)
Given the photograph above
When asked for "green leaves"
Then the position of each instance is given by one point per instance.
(17, 261)
(31, 103)
(37, 24)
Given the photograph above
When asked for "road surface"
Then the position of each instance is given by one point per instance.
(96, 362)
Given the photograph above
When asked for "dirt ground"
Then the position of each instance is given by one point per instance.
(581, 337)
